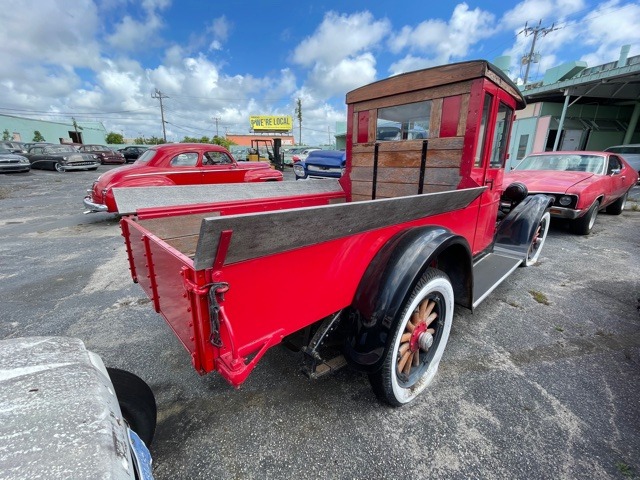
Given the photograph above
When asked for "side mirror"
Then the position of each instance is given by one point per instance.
(615, 171)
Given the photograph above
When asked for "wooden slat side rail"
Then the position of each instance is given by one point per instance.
(449, 143)
(175, 227)
(130, 199)
(410, 158)
(259, 234)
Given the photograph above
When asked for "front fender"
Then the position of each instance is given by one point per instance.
(389, 280)
(516, 230)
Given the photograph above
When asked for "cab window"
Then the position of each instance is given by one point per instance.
(404, 122)
(501, 136)
(216, 158)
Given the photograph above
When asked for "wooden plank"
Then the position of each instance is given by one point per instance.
(176, 226)
(436, 118)
(361, 189)
(419, 80)
(373, 124)
(259, 234)
(186, 245)
(131, 199)
(450, 143)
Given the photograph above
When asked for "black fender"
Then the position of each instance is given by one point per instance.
(389, 280)
(516, 230)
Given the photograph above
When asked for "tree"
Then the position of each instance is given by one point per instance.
(37, 136)
(6, 135)
(299, 117)
(139, 141)
(222, 141)
(155, 140)
(113, 137)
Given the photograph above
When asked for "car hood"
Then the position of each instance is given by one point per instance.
(550, 181)
(11, 157)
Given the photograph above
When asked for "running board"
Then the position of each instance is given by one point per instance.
(489, 272)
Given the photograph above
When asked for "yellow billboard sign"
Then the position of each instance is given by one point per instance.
(271, 123)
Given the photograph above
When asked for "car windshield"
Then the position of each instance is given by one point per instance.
(60, 149)
(564, 163)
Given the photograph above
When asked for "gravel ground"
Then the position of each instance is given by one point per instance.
(541, 381)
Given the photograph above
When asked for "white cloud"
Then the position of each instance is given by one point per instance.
(439, 41)
(532, 11)
(131, 34)
(349, 73)
(339, 37)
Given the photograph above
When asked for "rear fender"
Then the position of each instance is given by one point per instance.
(516, 230)
(389, 280)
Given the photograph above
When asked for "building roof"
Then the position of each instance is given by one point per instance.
(609, 84)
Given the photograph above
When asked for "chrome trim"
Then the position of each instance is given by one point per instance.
(562, 212)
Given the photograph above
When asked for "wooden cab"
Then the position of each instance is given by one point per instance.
(423, 131)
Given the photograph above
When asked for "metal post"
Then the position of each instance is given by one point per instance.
(561, 124)
(633, 122)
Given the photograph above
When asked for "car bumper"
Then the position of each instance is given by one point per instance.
(569, 213)
(94, 207)
(15, 167)
(85, 166)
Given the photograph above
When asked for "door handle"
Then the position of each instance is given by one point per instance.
(489, 181)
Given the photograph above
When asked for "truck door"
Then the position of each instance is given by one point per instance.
(489, 160)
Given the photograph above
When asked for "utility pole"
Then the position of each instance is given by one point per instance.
(159, 95)
(535, 31)
(299, 116)
(216, 120)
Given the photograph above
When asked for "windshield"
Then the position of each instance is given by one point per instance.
(563, 163)
(60, 149)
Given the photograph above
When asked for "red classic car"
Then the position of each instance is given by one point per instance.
(104, 154)
(176, 164)
(581, 183)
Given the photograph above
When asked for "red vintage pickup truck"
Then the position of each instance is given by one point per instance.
(176, 164)
(416, 224)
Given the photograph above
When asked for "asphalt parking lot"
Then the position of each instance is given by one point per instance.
(542, 381)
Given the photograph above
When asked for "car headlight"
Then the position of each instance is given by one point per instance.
(24, 160)
(565, 201)
(64, 159)
(298, 170)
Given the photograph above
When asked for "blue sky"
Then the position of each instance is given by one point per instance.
(102, 60)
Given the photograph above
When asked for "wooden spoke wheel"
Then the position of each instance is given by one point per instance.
(419, 338)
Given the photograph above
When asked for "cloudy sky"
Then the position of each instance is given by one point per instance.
(101, 60)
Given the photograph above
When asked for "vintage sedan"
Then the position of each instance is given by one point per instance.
(11, 162)
(176, 164)
(581, 182)
(104, 154)
(61, 158)
(132, 152)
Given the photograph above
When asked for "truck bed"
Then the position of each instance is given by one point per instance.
(271, 255)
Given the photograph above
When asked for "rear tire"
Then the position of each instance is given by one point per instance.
(584, 224)
(137, 403)
(617, 207)
(419, 337)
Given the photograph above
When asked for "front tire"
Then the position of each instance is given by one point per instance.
(418, 341)
(58, 167)
(137, 403)
(617, 207)
(584, 224)
(540, 235)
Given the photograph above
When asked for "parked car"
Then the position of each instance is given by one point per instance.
(14, 147)
(290, 152)
(12, 162)
(631, 153)
(61, 158)
(321, 164)
(581, 183)
(176, 164)
(298, 157)
(131, 153)
(104, 154)
(64, 415)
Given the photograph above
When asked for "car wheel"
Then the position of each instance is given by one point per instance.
(58, 167)
(617, 207)
(137, 403)
(584, 224)
(419, 338)
(540, 235)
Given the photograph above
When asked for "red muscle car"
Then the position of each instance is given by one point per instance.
(581, 182)
(176, 164)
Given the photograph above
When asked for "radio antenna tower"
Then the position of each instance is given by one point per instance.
(535, 31)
